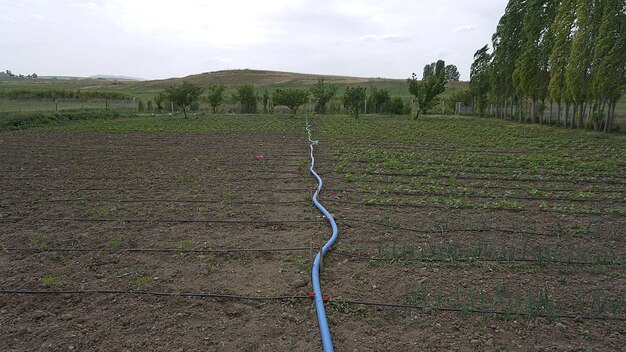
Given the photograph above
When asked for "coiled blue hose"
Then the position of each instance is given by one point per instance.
(327, 341)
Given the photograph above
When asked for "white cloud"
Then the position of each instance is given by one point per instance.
(470, 28)
(86, 6)
(396, 38)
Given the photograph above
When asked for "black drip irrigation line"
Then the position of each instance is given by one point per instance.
(515, 188)
(470, 195)
(463, 177)
(303, 297)
(147, 200)
(465, 260)
(409, 229)
(172, 221)
(155, 293)
(480, 311)
(516, 210)
(500, 167)
(131, 189)
(153, 250)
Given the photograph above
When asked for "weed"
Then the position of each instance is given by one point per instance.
(35, 240)
(300, 263)
(49, 281)
(114, 242)
(342, 306)
(143, 282)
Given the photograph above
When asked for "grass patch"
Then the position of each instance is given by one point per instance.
(24, 120)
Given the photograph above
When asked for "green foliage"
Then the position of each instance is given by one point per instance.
(397, 106)
(49, 281)
(479, 78)
(570, 50)
(378, 99)
(143, 282)
(150, 106)
(266, 102)
(561, 30)
(427, 90)
(452, 73)
(290, 97)
(159, 99)
(183, 95)
(246, 97)
(23, 93)
(323, 93)
(18, 121)
(141, 107)
(215, 95)
(353, 100)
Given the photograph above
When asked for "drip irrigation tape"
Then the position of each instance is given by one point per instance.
(163, 221)
(154, 250)
(112, 200)
(155, 293)
(480, 311)
(302, 297)
(462, 260)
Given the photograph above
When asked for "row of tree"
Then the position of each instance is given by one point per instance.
(354, 100)
(568, 54)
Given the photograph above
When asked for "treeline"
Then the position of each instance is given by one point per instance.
(555, 62)
(63, 94)
(322, 97)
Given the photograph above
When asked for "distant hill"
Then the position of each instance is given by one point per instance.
(270, 80)
(116, 78)
(260, 78)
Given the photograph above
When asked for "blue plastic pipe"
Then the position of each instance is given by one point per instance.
(327, 341)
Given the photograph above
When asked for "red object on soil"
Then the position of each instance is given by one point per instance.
(261, 156)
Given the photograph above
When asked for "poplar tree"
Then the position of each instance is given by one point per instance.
(479, 77)
(506, 44)
(561, 30)
(608, 60)
(578, 71)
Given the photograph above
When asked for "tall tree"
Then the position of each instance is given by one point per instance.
(610, 50)
(530, 75)
(290, 97)
(183, 95)
(353, 100)
(506, 42)
(479, 77)
(578, 71)
(452, 73)
(323, 93)
(429, 70)
(246, 97)
(561, 30)
(377, 99)
(216, 95)
(427, 90)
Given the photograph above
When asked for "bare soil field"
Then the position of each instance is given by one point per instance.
(125, 241)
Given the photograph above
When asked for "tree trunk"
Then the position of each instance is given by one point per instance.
(581, 110)
(609, 117)
(550, 116)
(533, 111)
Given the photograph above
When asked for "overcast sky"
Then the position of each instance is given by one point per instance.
(161, 39)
